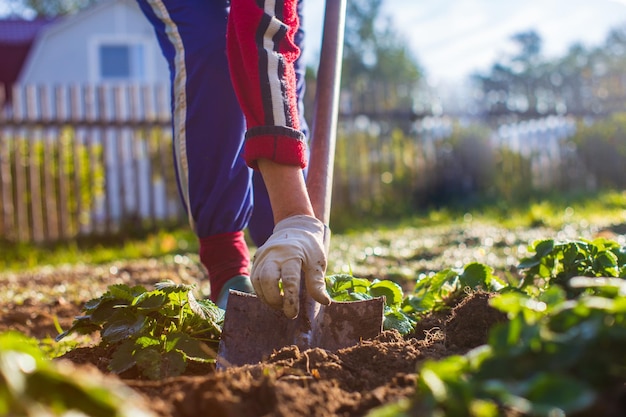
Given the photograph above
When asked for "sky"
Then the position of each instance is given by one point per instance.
(453, 38)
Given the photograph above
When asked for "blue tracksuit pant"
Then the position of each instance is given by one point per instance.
(219, 191)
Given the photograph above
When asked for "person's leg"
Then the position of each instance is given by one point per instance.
(214, 181)
(262, 223)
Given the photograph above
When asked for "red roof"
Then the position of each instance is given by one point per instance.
(16, 38)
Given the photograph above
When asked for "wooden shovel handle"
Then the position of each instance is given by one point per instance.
(324, 129)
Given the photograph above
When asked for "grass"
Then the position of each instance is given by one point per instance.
(553, 211)
(97, 250)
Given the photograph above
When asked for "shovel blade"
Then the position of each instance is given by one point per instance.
(252, 330)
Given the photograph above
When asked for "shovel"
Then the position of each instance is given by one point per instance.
(252, 330)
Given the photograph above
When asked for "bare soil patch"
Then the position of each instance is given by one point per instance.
(290, 382)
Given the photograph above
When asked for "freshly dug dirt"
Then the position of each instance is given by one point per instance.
(350, 382)
(290, 382)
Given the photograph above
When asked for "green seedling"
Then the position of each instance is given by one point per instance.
(555, 263)
(560, 351)
(441, 290)
(157, 331)
(344, 287)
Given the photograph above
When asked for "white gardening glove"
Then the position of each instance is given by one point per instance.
(296, 246)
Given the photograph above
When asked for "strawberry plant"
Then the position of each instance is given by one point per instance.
(432, 293)
(344, 287)
(157, 331)
(445, 288)
(555, 263)
(560, 351)
(32, 386)
(543, 362)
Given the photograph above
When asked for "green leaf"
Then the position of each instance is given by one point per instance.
(399, 321)
(544, 247)
(122, 358)
(475, 275)
(421, 305)
(93, 303)
(124, 327)
(360, 285)
(528, 263)
(150, 300)
(46, 386)
(606, 263)
(146, 341)
(212, 312)
(120, 292)
(340, 283)
(192, 348)
(570, 252)
(80, 325)
(169, 287)
(155, 366)
(14, 341)
(106, 310)
(442, 382)
(550, 393)
(149, 362)
(390, 290)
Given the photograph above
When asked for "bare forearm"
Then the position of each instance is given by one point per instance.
(286, 188)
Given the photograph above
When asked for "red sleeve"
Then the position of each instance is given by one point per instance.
(261, 52)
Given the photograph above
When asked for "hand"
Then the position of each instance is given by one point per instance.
(296, 247)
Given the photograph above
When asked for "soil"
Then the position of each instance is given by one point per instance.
(290, 382)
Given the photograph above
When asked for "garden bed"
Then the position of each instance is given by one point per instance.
(350, 382)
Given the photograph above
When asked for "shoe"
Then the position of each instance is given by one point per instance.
(239, 283)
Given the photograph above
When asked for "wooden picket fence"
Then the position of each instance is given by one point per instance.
(93, 160)
(79, 160)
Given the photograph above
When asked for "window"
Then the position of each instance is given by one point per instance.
(121, 61)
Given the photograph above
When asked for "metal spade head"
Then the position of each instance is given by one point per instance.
(253, 330)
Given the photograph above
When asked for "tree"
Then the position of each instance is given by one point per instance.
(47, 8)
(584, 81)
(379, 72)
(519, 84)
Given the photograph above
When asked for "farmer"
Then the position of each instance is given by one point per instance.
(240, 143)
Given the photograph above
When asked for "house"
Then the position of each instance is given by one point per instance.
(82, 69)
(111, 42)
(16, 39)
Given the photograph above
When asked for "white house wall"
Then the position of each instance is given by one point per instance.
(67, 51)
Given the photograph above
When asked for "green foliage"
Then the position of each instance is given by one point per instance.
(602, 148)
(376, 61)
(51, 166)
(555, 263)
(31, 386)
(98, 249)
(545, 360)
(156, 331)
(344, 287)
(527, 84)
(439, 291)
(48, 8)
(432, 293)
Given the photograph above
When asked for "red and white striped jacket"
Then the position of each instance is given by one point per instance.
(261, 53)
